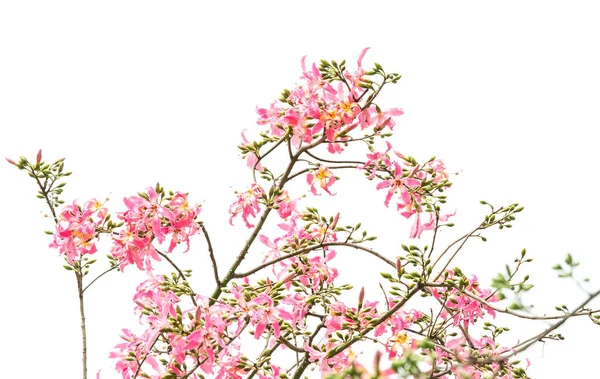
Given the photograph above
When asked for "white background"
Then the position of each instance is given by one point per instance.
(134, 92)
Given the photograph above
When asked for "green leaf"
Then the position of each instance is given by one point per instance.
(569, 260)
(516, 307)
(426, 343)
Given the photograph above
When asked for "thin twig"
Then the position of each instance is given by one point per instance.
(330, 161)
(212, 255)
(528, 317)
(527, 343)
(260, 158)
(309, 249)
(181, 274)
(79, 277)
(99, 276)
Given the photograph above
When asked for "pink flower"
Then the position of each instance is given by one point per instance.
(75, 233)
(317, 272)
(264, 313)
(297, 308)
(323, 177)
(131, 247)
(398, 184)
(361, 56)
(318, 107)
(377, 161)
(147, 215)
(439, 171)
(338, 318)
(418, 227)
(261, 311)
(201, 340)
(313, 355)
(247, 204)
(155, 305)
(285, 205)
(148, 218)
(137, 348)
(378, 120)
(464, 309)
(274, 375)
(183, 224)
(271, 117)
(355, 78)
(251, 158)
(337, 363)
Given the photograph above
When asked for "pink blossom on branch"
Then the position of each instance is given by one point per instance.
(189, 335)
(355, 78)
(251, 157)
(76, 230)
(152, 217)
(462, 308)
(398, 183)
(418, 227)
(413, 185)
(374, 118)
(183, 224)
(335, 364)
(322, 177)
(480, 348)
(320, 107)
(285, 205)
(145, 214)
(377, 160)
(133, 350)
(271, 117)
(247, 204)
(316, 271)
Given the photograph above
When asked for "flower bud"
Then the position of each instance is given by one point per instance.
(414, 171)
(361, 298)
(288, 277)
(38, 158)
(335, 221)
(376, 360)
(198, 313)
(11, 161)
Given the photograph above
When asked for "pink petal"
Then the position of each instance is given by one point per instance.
(362, 55)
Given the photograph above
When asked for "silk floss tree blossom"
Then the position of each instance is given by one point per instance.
(289, 316)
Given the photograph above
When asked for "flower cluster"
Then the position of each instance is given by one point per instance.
(412, 184)
(458, 304)
(398, 324)
(177, 339)
(483, 349)
(247, 204)
(152, 216)
(319, 108)
(261, 311)
(77, 229)
(343, 320)
(298, 234)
